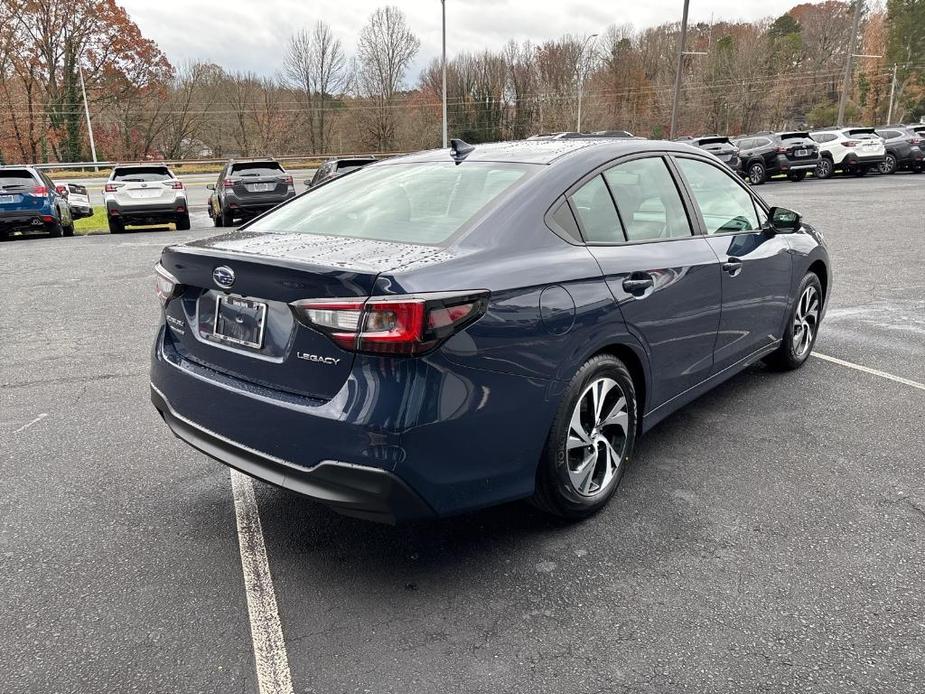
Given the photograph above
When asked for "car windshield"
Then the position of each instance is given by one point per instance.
(414, 203)
(145, 175)
(16, 179)
(261, 169)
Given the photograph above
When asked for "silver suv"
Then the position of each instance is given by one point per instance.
(144, 194)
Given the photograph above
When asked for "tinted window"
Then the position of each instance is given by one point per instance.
(415, 203)
(889, 134)
(724, 204)
(594, 207)
(823, 137)
(146, 174)
(565, 220)
(16, 178)
(648, 200)
(263, 168)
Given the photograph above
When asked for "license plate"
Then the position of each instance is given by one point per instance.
(801, 152)
(239, 321)
(260, 187)
(152, 193)
(8, 199)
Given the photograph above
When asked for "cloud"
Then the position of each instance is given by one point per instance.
(250, 35)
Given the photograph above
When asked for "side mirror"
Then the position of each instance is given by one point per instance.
(210, 186)
(783, 219)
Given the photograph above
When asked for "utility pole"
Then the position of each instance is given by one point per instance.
(852, 44)
(83, 89)
(889, 115)
(445, 132)
(581, 78)
(677, 75)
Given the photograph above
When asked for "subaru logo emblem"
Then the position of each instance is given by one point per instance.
(144, 185)
(223, 276)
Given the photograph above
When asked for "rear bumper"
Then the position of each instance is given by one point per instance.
(353, 490)
(253, 206)
(852, 160)
(147, 213)
(19, 221)
(427, 438)
(787, 165)
(81, 212)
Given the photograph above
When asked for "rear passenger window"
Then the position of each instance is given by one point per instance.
(595, 209)
(725, 205)
(648, 200)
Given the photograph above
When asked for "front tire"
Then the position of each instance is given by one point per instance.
(591, 441)
(802, 327)
(888, 165)
(757, 174)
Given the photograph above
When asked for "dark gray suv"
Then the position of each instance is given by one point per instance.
(248, 188)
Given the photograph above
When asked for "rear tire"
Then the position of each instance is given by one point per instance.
(116, 226)
(183, 223)
(55, 230)
(69, 229)
(888, 165)
(227, 219)
(591, 441)
(802, 327)
(824, 169)
(859, 171)
(796, 176)
(757, 174)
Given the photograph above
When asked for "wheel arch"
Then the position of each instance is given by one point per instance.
(819, 268)
(636, 364)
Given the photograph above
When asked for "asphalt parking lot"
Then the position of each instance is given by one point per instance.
(769, 537)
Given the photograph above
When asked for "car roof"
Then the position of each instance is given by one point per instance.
(547, 152)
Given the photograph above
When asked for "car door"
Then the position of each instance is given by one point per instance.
(756, 262)
(664, 278)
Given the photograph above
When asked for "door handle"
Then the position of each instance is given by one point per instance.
(638, 285)
(733, 266)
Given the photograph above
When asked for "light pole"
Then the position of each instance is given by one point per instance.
(852, 42)
(581, 78)
(83, 90)
(445, 134)
(677, 74)
(889, 115)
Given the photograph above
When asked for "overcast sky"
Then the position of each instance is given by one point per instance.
(251, 34)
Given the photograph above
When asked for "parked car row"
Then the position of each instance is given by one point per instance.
(853, 150)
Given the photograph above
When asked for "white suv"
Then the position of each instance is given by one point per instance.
(144, 194)
(852, 150)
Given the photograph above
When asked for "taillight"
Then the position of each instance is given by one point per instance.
(40, 190)
(228, 183)
(110, 188)
(166, 286)
(916, 141)
(397, 325)
(62, 190)
(177, 185)
(850, 143)
(287, 180)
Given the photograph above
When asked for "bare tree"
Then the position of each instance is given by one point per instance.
(385, 51)
(315, 64)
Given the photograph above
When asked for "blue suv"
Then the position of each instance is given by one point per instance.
(30, 201)
(457, 328)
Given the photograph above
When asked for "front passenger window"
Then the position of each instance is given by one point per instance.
(725, 205)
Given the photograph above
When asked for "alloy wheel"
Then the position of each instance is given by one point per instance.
(824, 168)
(888, 165)
(756, 174)
(597, 437)
(805, 321)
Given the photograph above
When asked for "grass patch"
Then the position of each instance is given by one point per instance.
(96, 224)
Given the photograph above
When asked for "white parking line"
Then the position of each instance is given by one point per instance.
(867, 369)
(273, 675)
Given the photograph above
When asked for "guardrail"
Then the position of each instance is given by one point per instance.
(195, 162)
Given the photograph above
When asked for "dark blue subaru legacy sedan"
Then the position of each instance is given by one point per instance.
(459, 328)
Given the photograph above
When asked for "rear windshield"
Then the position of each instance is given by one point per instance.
(413, 203)
(142, 174)
(16, 178)
(264, 168)
(795, 136)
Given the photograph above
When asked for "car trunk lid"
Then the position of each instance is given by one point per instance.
(798, 146)
(267, 345)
